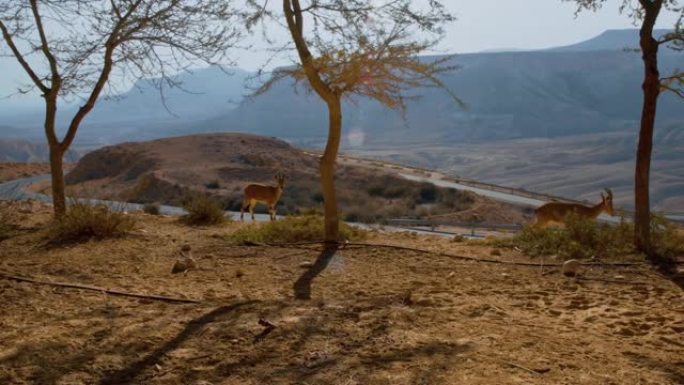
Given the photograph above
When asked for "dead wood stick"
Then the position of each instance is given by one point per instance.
(443, 254)
(100, 289)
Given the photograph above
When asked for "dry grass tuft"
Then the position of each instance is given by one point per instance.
(152, 208)
(83, 222)
(5, 226)
(202, 211)
(587, 238)
(291, 229)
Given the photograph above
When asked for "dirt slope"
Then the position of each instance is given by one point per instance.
(170, 169)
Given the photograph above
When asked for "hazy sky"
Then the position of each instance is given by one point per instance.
(481, 25)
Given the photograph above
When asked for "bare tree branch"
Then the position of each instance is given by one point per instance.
(22, 60)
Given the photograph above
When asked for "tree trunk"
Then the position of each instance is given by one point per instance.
(57, 174)
(327, 167)
(56, 154)
(651, 90)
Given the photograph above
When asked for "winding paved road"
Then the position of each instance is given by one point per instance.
(16, 189)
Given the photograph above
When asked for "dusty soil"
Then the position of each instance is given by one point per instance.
(376, 315)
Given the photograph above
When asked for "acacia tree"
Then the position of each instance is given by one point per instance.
(646, 12)
(363, 48)
(70, 48)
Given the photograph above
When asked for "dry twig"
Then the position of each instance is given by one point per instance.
(99, 289)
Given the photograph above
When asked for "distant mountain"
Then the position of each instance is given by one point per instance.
(13, 150)
(192, 95)
(610, 40)
(507, 95)
(589, 87)
(144, 111)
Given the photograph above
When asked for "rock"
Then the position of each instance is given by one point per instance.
(571, 268)
(183, 264)
(306, 264)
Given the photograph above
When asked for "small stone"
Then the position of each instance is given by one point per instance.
(571, 268)
(184, 264)
(451, 275)
(306, 264)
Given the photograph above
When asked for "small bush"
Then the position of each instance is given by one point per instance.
(82, 222)
(581, 238)
(203, 210)
(585, 238)
(5, 227)
(291, 229)
(213, 185)
(152, 208)
(667, 240)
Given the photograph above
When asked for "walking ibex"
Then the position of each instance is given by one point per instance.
(557, 211)
(259, 193)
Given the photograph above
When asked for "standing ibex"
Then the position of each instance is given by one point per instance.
(557, 211)
(259, 193)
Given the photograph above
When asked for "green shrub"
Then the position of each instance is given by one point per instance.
(203, 210)
(428, 193)
(586, 238)
(666, 237)
(5, 226)
(291, 229)
(152, 208)
(213, 185)
(82, 222)
(581, 238)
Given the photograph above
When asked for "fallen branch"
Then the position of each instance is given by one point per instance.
(442, 254)
(534, 371)
(96, 288)
(487, 260)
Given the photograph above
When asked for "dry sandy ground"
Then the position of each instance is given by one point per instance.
(376, 315)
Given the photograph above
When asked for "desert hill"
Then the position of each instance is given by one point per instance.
(581, 102)
(170, 170)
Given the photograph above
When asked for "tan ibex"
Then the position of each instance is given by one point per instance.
(557, 211)
(259, 193)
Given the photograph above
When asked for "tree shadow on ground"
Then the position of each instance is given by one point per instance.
(127, 374)
(302, 287)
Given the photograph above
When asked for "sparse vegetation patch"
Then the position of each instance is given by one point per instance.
(152, 208)
(83, 222)
(587, 238)
(203, 210)
(291, 229)
(5, 227)
(213, 185)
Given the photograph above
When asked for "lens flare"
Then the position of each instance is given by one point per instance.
(356, 137)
